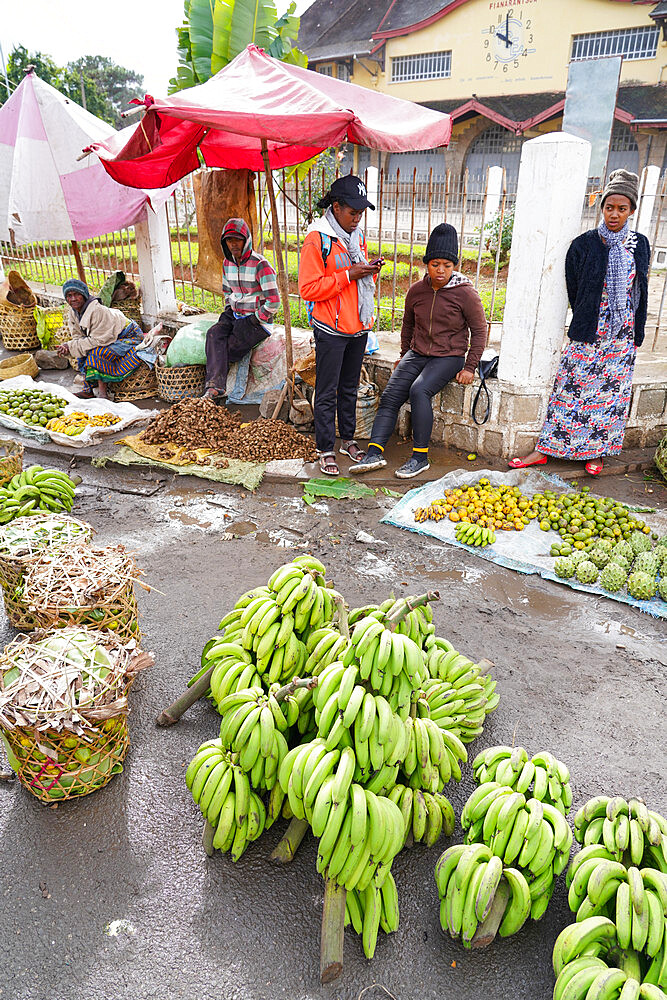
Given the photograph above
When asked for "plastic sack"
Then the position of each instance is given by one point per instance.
(189, 345)
(372, 344)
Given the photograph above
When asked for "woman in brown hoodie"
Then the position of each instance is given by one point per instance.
(443, 337)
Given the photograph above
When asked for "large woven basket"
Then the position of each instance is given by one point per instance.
(661, 457)
(11, 459)
(130, 308)
(21, 364)
(184, 382)
(139, 384)
(115, 613)
(18, 327)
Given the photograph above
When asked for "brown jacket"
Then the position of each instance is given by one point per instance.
(449, 322)
(99, 326)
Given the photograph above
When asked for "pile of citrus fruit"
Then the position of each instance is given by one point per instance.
(502, 507)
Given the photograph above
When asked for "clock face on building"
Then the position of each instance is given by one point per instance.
(509, 40)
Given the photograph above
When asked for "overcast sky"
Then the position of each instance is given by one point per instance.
(137, 34)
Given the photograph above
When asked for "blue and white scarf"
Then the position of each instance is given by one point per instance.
(618, 270)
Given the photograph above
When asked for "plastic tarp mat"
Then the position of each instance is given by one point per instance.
(525, 551)
(128, 413)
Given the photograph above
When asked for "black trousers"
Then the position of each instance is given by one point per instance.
(229, 340)
(418, 377)
(338, 367)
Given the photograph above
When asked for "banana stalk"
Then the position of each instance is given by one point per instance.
(168, 716)
(207, 836)
(288, 845)
(405, 605)
(333, 928)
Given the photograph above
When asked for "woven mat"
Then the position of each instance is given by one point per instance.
(135, 452)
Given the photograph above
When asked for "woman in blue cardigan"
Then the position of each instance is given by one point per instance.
(606, 272)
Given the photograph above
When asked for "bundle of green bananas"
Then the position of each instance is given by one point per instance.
(468, 878)
(36, 489)
(546, 778)
(253, 727)
(234, 670)
(257, 625)
(433, 755)
(531, 833)
(324, 646)
(374, 909)
(426, 815)
(591, 977)
(635, 900)
(474, 534)
(630, 831)
(238, 816)
(300, 590)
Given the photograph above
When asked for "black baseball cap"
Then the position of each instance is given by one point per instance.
(352, 191)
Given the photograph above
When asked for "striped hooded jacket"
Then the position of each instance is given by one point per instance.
(250, 286)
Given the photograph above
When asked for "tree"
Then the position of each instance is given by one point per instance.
(215, 31)
(108, 88)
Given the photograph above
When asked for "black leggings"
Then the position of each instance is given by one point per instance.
(417, 378)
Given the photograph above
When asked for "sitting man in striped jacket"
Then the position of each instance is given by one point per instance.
(252, 300)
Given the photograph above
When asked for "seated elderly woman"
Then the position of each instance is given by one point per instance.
(104, 342)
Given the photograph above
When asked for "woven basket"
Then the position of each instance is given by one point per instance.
(184, 382)
(11, 459)
(305, 368)
(661, 457)
(12, 567)
(141, 383)
(18, 327)
(116, 613)
(130, 308)
(22, 364)
(62, 774)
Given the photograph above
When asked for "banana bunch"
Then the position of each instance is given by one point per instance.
(324, 646)
(433, 755)
(474, 534)
(300, 590)
(253, 727)
(426, 816)
(477, 690)
(591, 977)
(223, 793)
(628, 829)
(36, 489)
(656, 975)
(544, 777)
(389, 661)
(635, 900)
(259, 627)
(468, 878)
(531, 833)
(374, 909)
(234, 670)
(590, 938)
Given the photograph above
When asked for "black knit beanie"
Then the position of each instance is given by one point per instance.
(443, 243)
(622, 182)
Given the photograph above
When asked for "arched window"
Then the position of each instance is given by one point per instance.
(494, 147)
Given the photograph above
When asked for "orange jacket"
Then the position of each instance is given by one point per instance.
(328, 286)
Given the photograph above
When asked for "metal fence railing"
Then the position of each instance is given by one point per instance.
(407, 208)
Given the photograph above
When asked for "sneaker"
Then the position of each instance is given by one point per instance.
(412, 467)
(370, 461)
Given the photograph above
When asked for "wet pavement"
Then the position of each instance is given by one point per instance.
(112, 897)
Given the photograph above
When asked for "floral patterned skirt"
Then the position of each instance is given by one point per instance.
(589, 404)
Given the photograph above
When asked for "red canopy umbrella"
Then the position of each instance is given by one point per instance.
(260, 112)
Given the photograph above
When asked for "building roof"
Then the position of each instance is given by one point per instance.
(660, 10)
(338, 29)
(641, 104)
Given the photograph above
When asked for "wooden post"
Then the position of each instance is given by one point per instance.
(79, 263)
(280, 265)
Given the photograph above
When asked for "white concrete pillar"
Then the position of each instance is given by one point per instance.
(550, 195)
(372, 193)
(155, 266)
(648, 186)
(494, 189)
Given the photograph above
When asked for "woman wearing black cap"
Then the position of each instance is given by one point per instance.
(337, 279)
(606, 272)
(442, 337)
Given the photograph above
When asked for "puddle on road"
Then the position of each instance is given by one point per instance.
(177, 515)
(241, 528)
(616, 628)
(372, 565)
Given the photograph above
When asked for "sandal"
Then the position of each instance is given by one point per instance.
(217, 396)
(518, 463)
(594, 467)
(328, 464)
(352, 450)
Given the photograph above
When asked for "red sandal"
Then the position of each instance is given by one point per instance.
(594, 467)
(518, 463)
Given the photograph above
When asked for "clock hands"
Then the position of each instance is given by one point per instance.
(506, 37)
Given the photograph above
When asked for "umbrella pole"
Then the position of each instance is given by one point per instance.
(79, 262)
(280, 267)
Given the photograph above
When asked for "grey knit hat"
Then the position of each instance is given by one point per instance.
(622, 182)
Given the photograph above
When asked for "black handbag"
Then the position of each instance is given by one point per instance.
(488, 368)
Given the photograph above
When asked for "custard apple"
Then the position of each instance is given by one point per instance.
(564, 568)
(587, 572)
(661, 553)
(605, 544)
(647, 562)
(662, 587)
(599, 556)
(624, 549)
(621, 561)
(641, 585)
(662, 541)
(640, 542)
(578, 555)
(613, 576)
